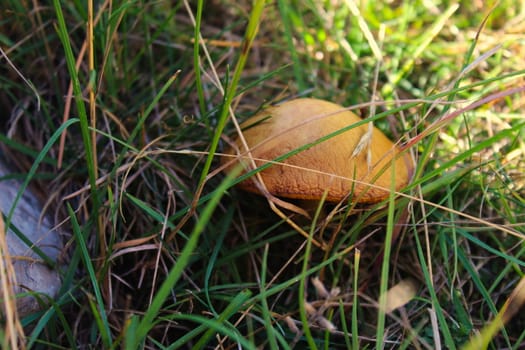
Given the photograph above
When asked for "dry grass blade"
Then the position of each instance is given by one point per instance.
(364, 28)
(13, 335)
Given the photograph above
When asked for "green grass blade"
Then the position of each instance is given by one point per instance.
(218, 327)
(249, 36)
(79, 100)
(286, 11)
(426, 39)
(304, 274)
(265, 310)
(380, 330)
(213, 258)
(183, 260)
(232, 308)
(102, 319)
(196, 60)
(449, 341)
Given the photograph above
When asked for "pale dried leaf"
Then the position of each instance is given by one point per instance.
(400, 294)
(320, 288)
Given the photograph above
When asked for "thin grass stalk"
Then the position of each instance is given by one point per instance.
(380, 329)
(224, 230)
(303, 277)
(355, 327)
(445, 331)
(251, 32)
(81, 108)
(265, 310)
(196, 61)
(91, 86)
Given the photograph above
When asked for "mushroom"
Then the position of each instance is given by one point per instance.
(338, 165)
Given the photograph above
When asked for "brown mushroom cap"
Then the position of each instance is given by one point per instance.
(327, 166)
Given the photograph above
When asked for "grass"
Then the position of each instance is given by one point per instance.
(162, 251)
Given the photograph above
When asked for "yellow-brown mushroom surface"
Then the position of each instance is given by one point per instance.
(332, 165)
